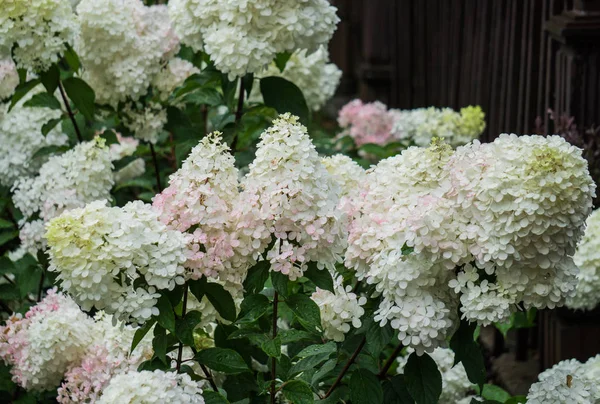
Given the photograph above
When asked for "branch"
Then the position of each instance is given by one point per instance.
(238, 114)
(210, 378)
(274, 360)
(155, 161)
(346, 367)
(70, 111)
(382, 373)
(183, 309)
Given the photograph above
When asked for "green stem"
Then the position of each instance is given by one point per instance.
(274, 360)
(183, 309)
(156, 170)
(69, 111)
(346, 367)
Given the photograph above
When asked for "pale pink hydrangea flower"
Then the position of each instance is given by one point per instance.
(40, 347)
(366, 123)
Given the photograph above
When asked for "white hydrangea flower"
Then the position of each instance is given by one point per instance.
(32, 239)
(312, 73)
(339, 311)
(9, 78)
(564, 383)
(202, 195)
(289, 194)
(244, 36)
(346, 172)
(505, 215)
(587, 259)
(21, 137)
(421, 125)
(39, 29)
(455, 382)
(145, 121)
(40, 347)
(152, 387)
(122, 45)
(107, 357)
(70, 180)
(124, 148)
(132, 170)
(172, 76)
(116, 259)
(526, 199)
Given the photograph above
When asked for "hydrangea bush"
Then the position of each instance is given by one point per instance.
(171, 233)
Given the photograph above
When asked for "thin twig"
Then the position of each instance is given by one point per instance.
(41, 285)
(156, 171)
(274, 360)
(346, 367)
(183, 309)
(210, 378)
(205, 118)
(69, 111)
(390, 361)
(238, 113)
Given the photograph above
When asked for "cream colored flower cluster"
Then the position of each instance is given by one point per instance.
(37, 30)
(288, 195)
(116, 259)
(492, 225)
(244, 36)
(587, 259)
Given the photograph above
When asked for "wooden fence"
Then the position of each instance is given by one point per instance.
(499, 54)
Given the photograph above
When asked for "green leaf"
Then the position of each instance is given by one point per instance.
(338, 396)
(5, 224)
(43, 100)
(184, 328)
(423, 379)
(253, 307)
(198, 287)
(152, 365)
(159, 343)
(166, 316)
(248, 83)
(82, 95)
(323, 371)
(395, 391)
(110, 136)
(272, 347)
(140, 333)
(378, 337)
(142, 183)
(281, 60)
(6, 265)
(48, 126)
(221, 300)
(22, 90)
(212, 397)
(468, 352)
(28, 278)
(222, 360)
(317, 349)
(320, 277)
(298, 392)
(292, 335)
(306, 311)
(516, 399)
(7, 236)
(365, 388)
(9, 292)
(45, 151)
(257, 276)
(308, 363)
(204, 96)
(72, 59)
(50, 79)
(284, 96)
(280, 283)
(492, 392)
